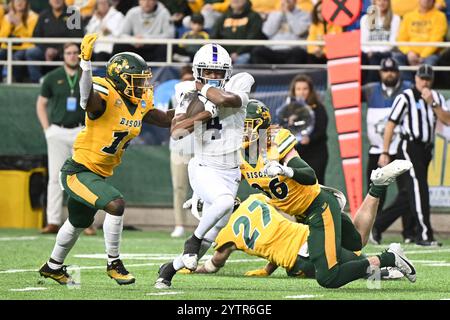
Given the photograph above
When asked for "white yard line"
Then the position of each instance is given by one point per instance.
(303, 296)
(18, 238)
(424, 251)
(28, 289)
(166, 293)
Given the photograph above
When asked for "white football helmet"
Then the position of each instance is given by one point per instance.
(212, 56)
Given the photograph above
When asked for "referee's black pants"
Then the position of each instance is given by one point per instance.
(398, 208)
(420, 155)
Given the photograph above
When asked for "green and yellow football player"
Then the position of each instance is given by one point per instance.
(116, 106)
(272, 165)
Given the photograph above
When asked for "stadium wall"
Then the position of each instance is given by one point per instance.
(144, 176)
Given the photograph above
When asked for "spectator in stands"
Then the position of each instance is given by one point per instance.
(426, 24)
(313, 148)
(124, 5)
(61, 94)
(264, 7)
(402, 7)
(86, 7)
(318, 29)
(212, 10)
(180, 154)
(149, 20)
(239, 22)
(18, 23)
(178, 10)
(51, 24)
(38, 5)
(104, 22)
(379, 24)
(185, 53)
(289, 23)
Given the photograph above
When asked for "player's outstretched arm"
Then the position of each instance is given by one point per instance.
(159, 118)
(89, 99)
(294, 167)
(218, 260)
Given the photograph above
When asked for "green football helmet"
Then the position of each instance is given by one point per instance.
(257, 118)
(129, 74)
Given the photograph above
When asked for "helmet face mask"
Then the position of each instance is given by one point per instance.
(257, 118)
(209, 58)
(130, 75)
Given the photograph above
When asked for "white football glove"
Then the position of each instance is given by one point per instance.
(274, 168)
(209, 106)
(196, 206)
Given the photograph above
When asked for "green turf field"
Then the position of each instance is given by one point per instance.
(22, 252)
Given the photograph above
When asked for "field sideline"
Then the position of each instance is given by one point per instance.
(23, 251)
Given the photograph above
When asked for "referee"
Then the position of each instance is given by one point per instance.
(416, 111)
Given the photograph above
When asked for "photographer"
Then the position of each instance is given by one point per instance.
(305, 115)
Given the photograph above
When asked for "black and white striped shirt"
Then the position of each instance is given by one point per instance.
(415, 116)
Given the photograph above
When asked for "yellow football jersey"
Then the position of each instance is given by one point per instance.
(258, 229)
(285, 193)
(100, 145)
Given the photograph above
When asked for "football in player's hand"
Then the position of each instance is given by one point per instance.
(195, 107)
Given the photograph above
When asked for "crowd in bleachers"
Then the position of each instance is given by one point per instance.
(386, 20)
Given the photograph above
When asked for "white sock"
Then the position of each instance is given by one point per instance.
(178, 263)
(213, 213)
(65, 240)
(112, 230)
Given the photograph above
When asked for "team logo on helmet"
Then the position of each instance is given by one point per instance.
(117, 67)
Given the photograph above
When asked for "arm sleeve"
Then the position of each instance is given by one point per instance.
(85, 87)
(303, 173)
(398, 109)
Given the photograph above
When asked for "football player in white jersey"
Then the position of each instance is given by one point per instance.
(214, 172)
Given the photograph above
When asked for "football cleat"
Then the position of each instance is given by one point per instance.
(60, 275)
(387, 174)
(116, 270)
(426, 243)
(166, 273)
(391, 273)
(402, 263)
(162, 283)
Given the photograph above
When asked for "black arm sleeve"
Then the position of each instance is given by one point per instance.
(303, 173)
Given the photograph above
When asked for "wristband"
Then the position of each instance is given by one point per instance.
(85, 65)
(386, 153)
(204, 89)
